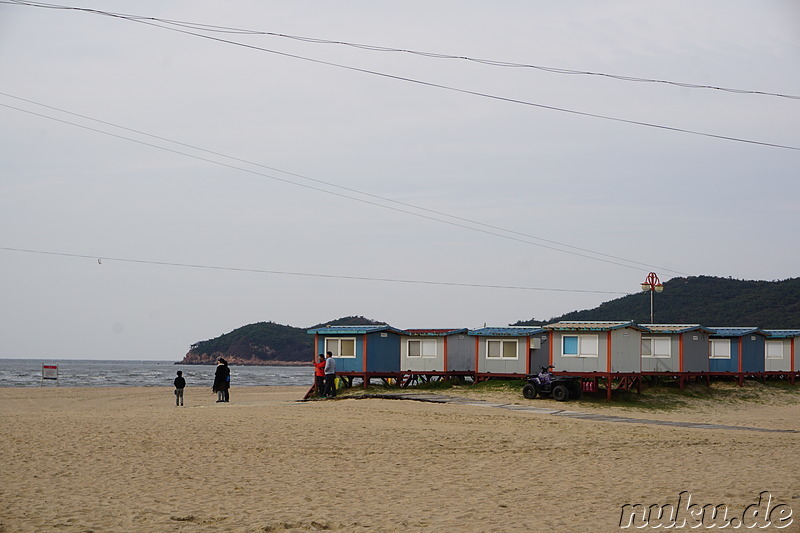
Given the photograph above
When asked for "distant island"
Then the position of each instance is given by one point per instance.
(263, 343)
(707, 300)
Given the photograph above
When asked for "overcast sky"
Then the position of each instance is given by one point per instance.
(340, 173)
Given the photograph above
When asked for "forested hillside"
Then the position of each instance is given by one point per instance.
(702, 300)
(705, 300)
(263, 342)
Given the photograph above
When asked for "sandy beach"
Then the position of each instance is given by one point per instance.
(126, 459)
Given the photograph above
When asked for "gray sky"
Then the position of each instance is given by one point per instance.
(674, 203)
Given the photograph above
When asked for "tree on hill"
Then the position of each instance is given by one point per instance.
(705, 300)
(264, 342)
(350, 321)
(254, 344)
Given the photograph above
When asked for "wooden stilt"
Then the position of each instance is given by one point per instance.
(310, 392)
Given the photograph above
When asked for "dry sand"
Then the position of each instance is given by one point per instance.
(126, 459)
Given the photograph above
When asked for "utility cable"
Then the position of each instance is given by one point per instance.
(419, 215)
(100, 259)
(211, 28)
(149, 22)
(382, 198)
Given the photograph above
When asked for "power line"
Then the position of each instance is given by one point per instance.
(405, 204)
(152, 22)
(378, 48)
(606, 258)
(101, 258)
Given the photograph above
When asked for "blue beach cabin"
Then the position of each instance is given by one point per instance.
(371, 348)
(736, 350)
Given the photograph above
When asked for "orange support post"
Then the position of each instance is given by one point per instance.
(444, 356)
(527, 355)
(364, 355)
(477, 356)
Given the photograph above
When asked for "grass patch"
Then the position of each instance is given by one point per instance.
(652, 399)
(499, 385)
(393, 388)
(660, 395)
(668, 396)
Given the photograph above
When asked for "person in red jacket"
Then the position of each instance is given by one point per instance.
(319, 374)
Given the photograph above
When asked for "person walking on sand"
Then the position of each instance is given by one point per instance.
(180, 384)
(319, 374)
(330, 376)
(221, 376)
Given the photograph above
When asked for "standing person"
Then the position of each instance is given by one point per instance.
(220, 380)
(330, 376)
(180, 384)
(319, 374)
(227, 388)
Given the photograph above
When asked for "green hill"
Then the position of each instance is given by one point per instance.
(705, 300)
(263, 343)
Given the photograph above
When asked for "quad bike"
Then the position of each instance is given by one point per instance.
(544, 384)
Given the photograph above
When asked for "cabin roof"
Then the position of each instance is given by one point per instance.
(734, 332)
(434, 332)
(675, 328)
(782, 332)
(591, 325)
(353, 330)
(507, 331)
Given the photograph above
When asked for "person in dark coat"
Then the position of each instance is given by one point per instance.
(227, 384)
(180, 384)
(221, 377)
(330, 376)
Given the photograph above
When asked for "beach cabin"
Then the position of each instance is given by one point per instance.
(436, 350)
(736, 350)
(595, 346)
(505, 351)
(780, 350)
(671, 348)
(360, 349)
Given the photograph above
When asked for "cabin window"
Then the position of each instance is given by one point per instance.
(656, 347)
(720, 349)
(774, 349)
(501, 349)
(422, 348)
(579, 345)
(341, 347)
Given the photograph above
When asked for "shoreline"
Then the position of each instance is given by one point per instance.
(265, 363)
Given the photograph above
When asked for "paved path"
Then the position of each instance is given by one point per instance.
(440, 398)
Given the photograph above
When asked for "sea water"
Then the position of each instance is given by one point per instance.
(92, 373)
